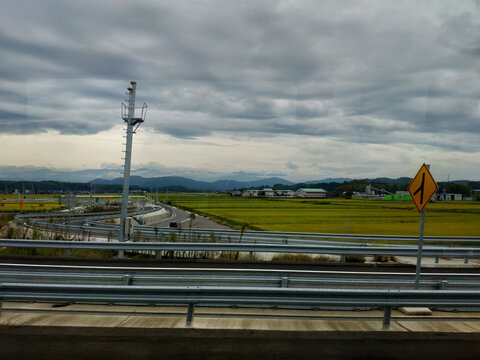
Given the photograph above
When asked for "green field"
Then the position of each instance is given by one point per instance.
(461, 218)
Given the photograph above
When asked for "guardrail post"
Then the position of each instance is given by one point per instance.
(191, 309)
(67, 254)
(251, 255)
(127, 279)
(437, 259)
(420, 248)
(343, 259)
(159, 254)
(387, 315)
(442, 285)
(284, 282)
(466, 260)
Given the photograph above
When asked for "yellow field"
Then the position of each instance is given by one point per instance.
(28, 206)
(448, 218)
(459, 218)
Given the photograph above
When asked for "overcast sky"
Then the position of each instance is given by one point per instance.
(302, 90)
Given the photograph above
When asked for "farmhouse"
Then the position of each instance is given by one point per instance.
(311, 193)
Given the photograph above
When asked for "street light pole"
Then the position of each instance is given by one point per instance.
(128, 115)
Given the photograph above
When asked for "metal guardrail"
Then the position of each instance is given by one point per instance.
(202, 295)
(239, 295)
(240, 247)
(109, 230)
(245, 277)
(316, 236)
(260, 236)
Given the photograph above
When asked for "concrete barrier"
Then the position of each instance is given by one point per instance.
(152, 217)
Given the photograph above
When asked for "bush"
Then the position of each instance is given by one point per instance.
(5, 218)
(323, 258)
(354, 258)
(383, 258)
(292, 257)
(301, 257)
(246, 257)
(228, 255)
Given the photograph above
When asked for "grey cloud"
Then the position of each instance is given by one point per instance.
(109, 171)
(154, 169)
(291, 166)
(363, 73)
(37, 173)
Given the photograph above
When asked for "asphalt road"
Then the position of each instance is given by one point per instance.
(183, 218)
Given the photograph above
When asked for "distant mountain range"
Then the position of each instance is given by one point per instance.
(184, 184)
(219, 185)
(328, 180)
(384, 180)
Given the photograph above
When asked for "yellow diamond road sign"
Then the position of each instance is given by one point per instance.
(422, 187)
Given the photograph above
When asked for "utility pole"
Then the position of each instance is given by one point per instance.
(128, 115)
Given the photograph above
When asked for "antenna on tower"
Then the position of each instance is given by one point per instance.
(132, 122)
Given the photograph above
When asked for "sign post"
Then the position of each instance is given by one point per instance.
(422, 188)
(420, 248)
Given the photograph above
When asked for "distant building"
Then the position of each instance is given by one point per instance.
(448, 197)
(268, 192)
(284, 193)
(357, 195)
(253, 192)
(311, 193)
(399, 195)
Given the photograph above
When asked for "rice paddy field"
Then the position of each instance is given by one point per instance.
(44, 202)
(10, 206)
(460, 218)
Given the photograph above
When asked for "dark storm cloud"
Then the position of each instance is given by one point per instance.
(361, 72)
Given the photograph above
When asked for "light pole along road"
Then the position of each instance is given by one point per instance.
(128, 115)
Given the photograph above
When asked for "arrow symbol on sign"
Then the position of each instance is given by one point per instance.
(421, 189)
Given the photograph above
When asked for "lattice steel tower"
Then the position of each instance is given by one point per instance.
(128, 115)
